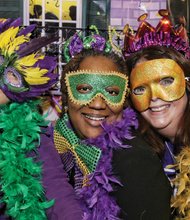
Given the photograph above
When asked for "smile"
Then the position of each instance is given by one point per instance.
(159, 108)
(95, 117)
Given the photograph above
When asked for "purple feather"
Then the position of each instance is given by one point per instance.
(27, 30)
(4, 25)
(36, 44)
(95, 198)
(16, 23)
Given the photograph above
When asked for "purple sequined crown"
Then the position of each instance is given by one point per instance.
(164, 35)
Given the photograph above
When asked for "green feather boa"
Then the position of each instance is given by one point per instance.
(20, 176)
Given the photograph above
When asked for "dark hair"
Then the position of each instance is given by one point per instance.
(183, 136)
(74, 63)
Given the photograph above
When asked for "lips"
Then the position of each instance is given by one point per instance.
(94, 120)
(159, 108)
(94, 117)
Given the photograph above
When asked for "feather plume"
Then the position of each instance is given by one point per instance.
(181, 201)
(21, 174)
(16, 23)
(23, 54)
(36, 44)
(96, 200)
(7, 37)
(27, 30)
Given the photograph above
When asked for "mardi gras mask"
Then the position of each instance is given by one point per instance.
(10, 77)
(84, 86)
(25, 72)
(159, 78)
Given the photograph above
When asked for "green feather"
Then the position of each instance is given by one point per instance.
(20, 175)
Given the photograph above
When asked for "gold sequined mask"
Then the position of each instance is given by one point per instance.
(159, 78)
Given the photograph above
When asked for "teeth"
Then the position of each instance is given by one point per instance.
(160, 108)
(96, 118)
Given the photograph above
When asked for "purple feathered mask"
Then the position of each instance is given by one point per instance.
(24, 71)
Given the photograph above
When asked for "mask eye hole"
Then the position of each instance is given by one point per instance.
(166, 81)
(13, 78)
(139, 90)
(84, 88)
(113, 90)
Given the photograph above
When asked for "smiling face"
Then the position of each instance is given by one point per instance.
(165, 117)
(87, 118)
(158, 93)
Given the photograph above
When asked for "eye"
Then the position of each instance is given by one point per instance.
(84, 88)
(139, 90)
(166, 81)
(113, 90)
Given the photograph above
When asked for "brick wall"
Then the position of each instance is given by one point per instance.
(127, 11)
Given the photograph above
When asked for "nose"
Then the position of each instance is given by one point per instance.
(97, 103)
(154, 99)
(154, 93)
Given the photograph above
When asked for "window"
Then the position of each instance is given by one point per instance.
(96, 12)
(11, 8)
(179, 11)
(54, 17)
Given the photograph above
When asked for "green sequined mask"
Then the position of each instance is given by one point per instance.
(84, 86)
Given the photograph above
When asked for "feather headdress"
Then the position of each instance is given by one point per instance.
(24, 71)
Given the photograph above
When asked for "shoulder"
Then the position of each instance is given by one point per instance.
(138, 163)
(142, 177)
(138, 149)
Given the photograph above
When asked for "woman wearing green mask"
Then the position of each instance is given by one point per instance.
(108, 164)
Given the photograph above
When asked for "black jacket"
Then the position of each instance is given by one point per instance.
(146, 191)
